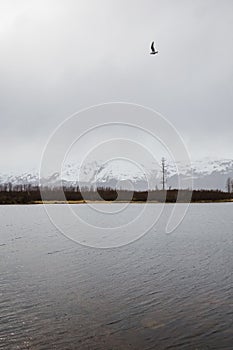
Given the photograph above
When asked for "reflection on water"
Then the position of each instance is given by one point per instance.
(161, 292)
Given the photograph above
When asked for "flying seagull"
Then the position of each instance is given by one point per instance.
(153, 52)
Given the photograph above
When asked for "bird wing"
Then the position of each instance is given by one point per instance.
(152, 46)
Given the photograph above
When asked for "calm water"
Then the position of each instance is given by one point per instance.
(160, 292)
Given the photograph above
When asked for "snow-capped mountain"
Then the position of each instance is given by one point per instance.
(206, 174)
(25, 178)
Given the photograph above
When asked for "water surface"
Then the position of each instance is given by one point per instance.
(160, 292)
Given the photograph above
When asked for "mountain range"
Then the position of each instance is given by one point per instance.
(206, 174)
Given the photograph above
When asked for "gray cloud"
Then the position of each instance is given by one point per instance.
(60, 56)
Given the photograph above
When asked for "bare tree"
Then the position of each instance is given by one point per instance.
(163, 166)
(229, 185)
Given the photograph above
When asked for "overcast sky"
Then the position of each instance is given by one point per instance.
(58, 56)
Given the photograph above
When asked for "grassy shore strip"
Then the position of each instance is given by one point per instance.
(115, 202)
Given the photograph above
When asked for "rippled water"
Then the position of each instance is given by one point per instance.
(160, 292)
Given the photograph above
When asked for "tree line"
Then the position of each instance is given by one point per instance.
(28, 194)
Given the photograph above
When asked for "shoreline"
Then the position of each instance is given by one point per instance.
(54, 202)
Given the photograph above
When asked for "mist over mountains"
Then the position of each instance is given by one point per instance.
(206, 174)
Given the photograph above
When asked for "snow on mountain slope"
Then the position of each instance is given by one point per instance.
(206, 174)
(20, 179)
